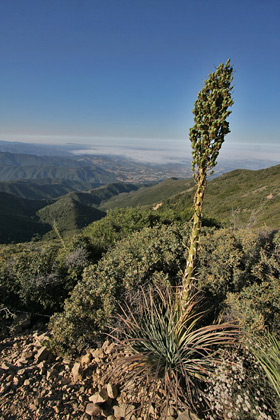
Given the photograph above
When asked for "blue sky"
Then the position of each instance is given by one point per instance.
(127, 72)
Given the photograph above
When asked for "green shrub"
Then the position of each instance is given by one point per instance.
(237, 272)
(257, 304)
(153, 255)
(38, 277)
(120, 223)
(238, 268)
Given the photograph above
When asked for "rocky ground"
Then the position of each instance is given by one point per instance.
(37, 385)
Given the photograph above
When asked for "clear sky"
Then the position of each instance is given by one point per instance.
(113, 72)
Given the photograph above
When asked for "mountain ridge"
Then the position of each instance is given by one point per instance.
(239, 198)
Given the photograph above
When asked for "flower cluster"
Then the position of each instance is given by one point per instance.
(236, 389)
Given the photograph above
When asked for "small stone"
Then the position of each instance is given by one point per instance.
(32, 407)
(21, 362)
(77, 372)
(65, 380)
(42, 367)
(99, 397)
(124, 410)
(27, 355)
(112, 390)
(43, 337)
(52, 373)
(93, 409)
(16, 381)
(4, 388)
(86, 359)
(22, 372)
(98, 354)
(4, 366)
(43, 354)
(187, 415)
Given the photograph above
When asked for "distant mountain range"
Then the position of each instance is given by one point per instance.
(239, 198)
(14, 166)
(36, 148)
(98, 170)
(38, 192)
(43, 188)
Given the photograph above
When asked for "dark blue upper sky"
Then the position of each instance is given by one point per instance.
(84, 69)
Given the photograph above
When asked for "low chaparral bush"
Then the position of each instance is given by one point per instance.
(38, 277)
(237, 273)
(151, 256)
(257, 303)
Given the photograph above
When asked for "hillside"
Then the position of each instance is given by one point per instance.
(82, 284)
(84, 174)
(18, 219)
(22, 216)
(69, 215)
(30, 160)
(239, 198)
(15, 166)
(98, 169)
(97, 196)
(43, 188)
(150, 195)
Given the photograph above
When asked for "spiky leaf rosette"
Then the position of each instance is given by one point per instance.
(210, 113)
(167, 353)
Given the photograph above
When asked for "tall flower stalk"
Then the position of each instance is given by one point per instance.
(206, 136)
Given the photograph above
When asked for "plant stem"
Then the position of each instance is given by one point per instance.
(195, 233)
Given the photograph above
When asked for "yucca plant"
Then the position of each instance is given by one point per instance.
(206, 136)
(267, 352)
(166, 353)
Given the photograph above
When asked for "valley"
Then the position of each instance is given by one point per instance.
(38, 192)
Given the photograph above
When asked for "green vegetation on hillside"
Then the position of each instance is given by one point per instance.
(18, 218)
(44, 188)
(107, 263)
(23, 166)
(23, 219)
(68, 215)
(149, 195)
(239, 198)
